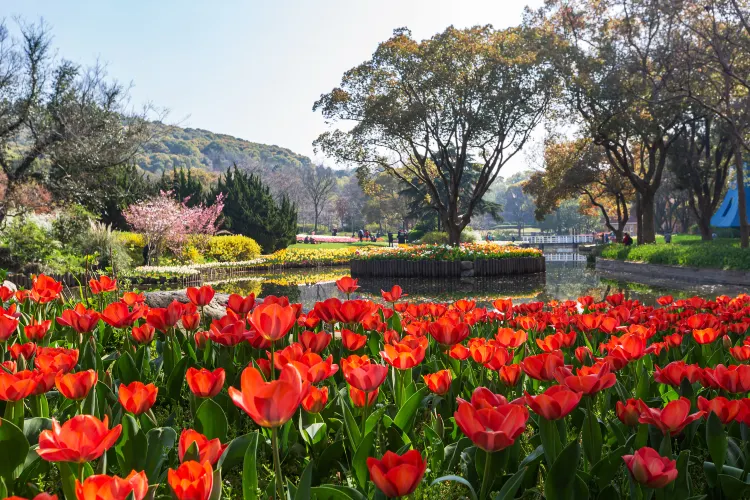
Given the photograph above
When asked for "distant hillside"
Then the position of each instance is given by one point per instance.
(201, 149)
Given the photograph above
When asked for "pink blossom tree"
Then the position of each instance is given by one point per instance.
(167, 223)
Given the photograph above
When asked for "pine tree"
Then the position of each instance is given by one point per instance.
(250, 209)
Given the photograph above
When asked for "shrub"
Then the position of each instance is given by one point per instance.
(101, 241)
(71, 224)
(232, 248)
(416, 234)
(435, 238)
(468, 236)
(28, 242)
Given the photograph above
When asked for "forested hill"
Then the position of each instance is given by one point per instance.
(196, 148)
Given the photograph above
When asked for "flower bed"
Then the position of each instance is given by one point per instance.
(464, 252)
(321, 238)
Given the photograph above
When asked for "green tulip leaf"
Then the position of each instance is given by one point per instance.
(211, 421)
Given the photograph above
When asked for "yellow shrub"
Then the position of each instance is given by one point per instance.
(232, 248)
(130, 239)
(192, 255)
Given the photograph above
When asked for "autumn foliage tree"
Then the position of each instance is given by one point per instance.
(425, 111)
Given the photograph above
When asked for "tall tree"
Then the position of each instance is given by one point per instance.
(320, 183)
(421, 110)
(59, 121)
(581, 169)
(620, 73)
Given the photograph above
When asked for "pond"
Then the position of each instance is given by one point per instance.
(564, 279)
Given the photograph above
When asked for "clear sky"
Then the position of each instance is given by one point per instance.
(247, 68)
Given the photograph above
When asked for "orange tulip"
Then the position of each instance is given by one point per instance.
(40, 496)
(76, 386)
(448, 332)
(352, 341)
(651, 469)
(133, 298)
(363, 374)
(358, 397)
(672, 419)
(269, 404)
(406, 354)
(283, 357)
(191, 481)
(137, 397)
(119, 315)
(492, 428)
(507, 337)
(16, 386)
(209, 450)
(36, 330)
(81, 439)
(205, 383)
(726, 409)
(459, 352)
(45, 289)
(628, 412)
(103, 487)
(314, 369)
(273, 321)
(554, 403)
(315, 342)
(143, 334)
(591, 379)
(79, 318)
(438, 382)
(481, 350)
(510, 374)
(347, 285)
(200, 296)
(393, 295)
(315, 400)
(102, 285)
(55, 359)
(706, 335)
(397, 476)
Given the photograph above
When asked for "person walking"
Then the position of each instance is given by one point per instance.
(361, 235)
(390, 238)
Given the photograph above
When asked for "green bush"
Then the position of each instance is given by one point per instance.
(232, 248)
(72, 224)
(435, 238)
(416, 234)
(106, 244)
(28, 242)
(718, 254)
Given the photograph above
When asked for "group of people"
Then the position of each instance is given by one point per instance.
(365, 235)
(401, 237)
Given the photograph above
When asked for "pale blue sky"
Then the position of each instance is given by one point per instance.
(250, 69)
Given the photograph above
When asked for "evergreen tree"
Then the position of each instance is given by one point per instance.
(249, 209)
(183, 185)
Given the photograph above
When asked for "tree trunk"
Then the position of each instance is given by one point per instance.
(704, 224)
(638, 218)
(454, 234)
(647, 233)
(618, 234)
(741, 202)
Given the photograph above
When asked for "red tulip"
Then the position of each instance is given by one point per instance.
(352, 311)
(705, 336)
(507, 337)
(493, 428)
(665, 300)
(583, 354)
(726, 409)
(79, 318)
(16, 386)
(406, 354)
(208, 449)
(133, 298)
(315, 400)
(673, 373)
(269, 404)
(119, 315)
(36, 330)
(200, 296)
(628, 412)
(483, 398)
(448, 332)
(459, 352)
(481, 350)
(397, 476)
(165, 318)
(347, 285)
(8, 326)
(362, 374)
(358, 397)
(393, 295)
(102, 285)
(740, 353)
(281, 358)
(191, 481)
(510, 374)
(273, 321)
(76, 386)
(591, 379)
(40, 496)
(81, 439)
(26, 350)
(143, 334)
(438, 382)
(672, 419)
(314, 369)
(137, 397)
(315, 342)
(205, 383)
(55, 359)
(103, 487)
(228, 333)
(651, 469)
(543, 366)
(45, 289)
(734, 379)
(352, 341)
(554, 403)
(241, 305)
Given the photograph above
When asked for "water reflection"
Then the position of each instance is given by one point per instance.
(563, 280)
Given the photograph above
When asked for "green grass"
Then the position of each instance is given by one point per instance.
(685, 250)
(322, 246)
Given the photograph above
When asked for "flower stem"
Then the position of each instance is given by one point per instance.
(486, 478)
(277, 462)
(364, 414)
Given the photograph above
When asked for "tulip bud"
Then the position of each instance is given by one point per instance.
(726, 341)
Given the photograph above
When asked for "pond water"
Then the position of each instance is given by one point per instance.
(564, 279)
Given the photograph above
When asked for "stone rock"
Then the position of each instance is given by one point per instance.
(467, 274)
(214, 310)
(466, 265)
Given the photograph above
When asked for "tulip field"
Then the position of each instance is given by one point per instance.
(105, 398)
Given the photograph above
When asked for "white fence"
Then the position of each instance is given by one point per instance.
(559, 239)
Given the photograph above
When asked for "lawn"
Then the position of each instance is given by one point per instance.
(685, 250)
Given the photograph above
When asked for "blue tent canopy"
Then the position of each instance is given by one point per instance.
(728, 214)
